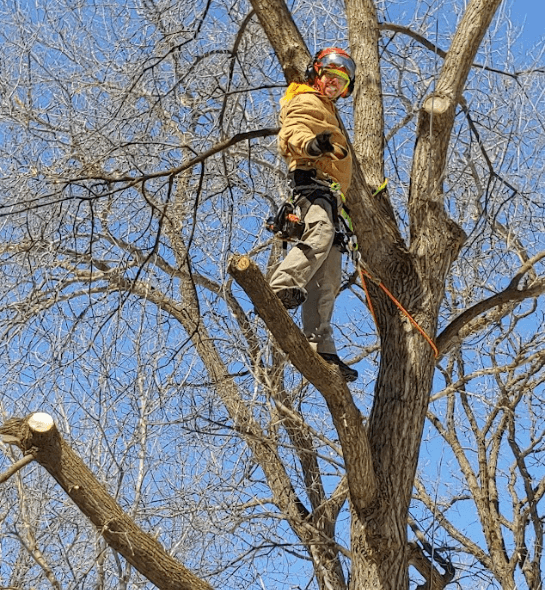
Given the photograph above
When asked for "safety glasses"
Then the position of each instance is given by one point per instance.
(342, 77)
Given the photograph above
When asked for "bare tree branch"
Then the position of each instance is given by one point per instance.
(16, 466)
(38, 435)
(510, 295)
(346, 416)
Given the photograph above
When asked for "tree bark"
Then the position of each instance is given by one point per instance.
(327, 379)
(364, 35)
(37, 435)
(415, 275)
(284, 36)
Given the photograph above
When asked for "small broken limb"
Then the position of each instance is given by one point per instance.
(15, 467)
(36, 421)
(426, 565)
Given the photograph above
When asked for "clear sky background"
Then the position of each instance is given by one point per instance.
(531, 14)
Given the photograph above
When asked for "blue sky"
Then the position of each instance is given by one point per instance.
(531, 14)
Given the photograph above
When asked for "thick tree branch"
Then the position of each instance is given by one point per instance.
(37, 434)
(380, 242)
(450, 335)
(327, 379)
(431, 228)
(319, 543)
(284, 37)
(464, 46)
(368, 108)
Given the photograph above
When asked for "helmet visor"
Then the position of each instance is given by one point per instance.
(336, 60)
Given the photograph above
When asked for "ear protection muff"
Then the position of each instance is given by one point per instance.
(310, 72)
(349, 90)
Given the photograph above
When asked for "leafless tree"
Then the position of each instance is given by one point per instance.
(197, 443)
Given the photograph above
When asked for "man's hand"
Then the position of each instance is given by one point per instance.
(321, 144)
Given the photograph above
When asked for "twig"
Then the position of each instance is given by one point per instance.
(15, 468)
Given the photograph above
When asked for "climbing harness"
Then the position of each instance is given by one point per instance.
(288, 225)
(352, 248)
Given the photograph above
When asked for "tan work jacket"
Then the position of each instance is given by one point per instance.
(305, 113)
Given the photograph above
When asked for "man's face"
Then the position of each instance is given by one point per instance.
(333, 83)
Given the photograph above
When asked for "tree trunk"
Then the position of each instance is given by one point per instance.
(415, 276)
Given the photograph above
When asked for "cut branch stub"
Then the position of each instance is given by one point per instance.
(436, 105)
(42, 430)
(38, 435)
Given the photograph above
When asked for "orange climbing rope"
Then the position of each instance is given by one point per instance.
(356, 258)
(364, 273)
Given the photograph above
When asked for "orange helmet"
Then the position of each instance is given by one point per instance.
(336, 59)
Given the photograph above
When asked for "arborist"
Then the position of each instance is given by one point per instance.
(312, 140)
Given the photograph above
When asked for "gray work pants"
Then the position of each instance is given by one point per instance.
(315, 266)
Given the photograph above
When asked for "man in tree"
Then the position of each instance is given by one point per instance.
(315, 147)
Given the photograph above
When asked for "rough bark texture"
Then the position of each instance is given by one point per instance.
(415, 275)
(368, 112)
(140, 549)
(284, 36)
(346, 416)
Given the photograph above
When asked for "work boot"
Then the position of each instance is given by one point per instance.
(348, 373)
(291, 297)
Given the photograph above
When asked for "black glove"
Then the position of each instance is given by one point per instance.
(321, 144)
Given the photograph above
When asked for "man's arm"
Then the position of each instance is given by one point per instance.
(309, 129)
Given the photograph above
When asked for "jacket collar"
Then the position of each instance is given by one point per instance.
(294, 89)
